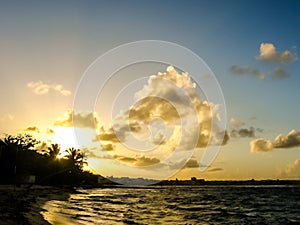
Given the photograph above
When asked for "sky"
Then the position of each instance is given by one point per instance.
(251, 47)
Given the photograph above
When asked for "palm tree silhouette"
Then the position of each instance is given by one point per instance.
(54, 150)
(76, 157)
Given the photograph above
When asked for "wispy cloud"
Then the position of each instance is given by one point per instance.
(243, 132)
(268, 53)
(247, 70)
(6, 117)
(237, 129)
(50, 131)
(41, 88)
(32, 129)
(292, 170)
(217, 169)
(108, 147)
(138, 160)
(291, 140)
(279, 73)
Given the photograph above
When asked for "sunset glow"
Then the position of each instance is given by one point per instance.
(150, 118)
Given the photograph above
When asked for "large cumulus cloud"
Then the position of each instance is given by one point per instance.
(172, 97)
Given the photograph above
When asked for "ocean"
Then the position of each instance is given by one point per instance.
(178, 205)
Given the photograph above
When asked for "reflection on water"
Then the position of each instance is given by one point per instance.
(179, 205)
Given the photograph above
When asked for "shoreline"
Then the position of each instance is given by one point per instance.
(21, 205)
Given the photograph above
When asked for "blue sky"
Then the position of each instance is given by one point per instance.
(56, 41)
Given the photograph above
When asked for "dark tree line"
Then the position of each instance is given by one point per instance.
(19, 159)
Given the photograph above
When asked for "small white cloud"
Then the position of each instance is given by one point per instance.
(268, 53)
(41, 88)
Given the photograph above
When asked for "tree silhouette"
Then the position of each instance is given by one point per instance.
(76, 158)
(21, 141)
(19, 159)
(53, 151)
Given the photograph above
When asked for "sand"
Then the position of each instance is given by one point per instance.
(23, 205)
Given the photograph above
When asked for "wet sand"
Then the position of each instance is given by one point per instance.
(23, 205)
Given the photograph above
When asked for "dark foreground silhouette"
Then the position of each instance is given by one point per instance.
(21, 162)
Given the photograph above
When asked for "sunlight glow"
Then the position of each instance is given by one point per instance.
(65, 137)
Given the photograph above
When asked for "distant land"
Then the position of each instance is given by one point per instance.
(126, 181)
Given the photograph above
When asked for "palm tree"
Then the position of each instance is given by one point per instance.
(76, 157)
(54, 150)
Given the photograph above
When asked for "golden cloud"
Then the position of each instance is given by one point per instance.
(80, 120)
(108, 147)
(268, 53)
(289, 141)
(138, 161)
(32, 129)
(261, 145)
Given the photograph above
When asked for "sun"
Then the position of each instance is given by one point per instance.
(65, 137)
(68, 137)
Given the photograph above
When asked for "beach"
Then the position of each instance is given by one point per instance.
(23, 205)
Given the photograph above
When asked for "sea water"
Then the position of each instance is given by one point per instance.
(179, 205)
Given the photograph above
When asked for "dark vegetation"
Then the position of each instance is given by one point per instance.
(21, 162)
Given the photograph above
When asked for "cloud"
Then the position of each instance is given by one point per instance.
(42, 147)
(109, 135)
(237, 129)
(247, 70)
(261, 145)
(279, 73)
(108, 147)
(192, 163)
(259, 130)
(6, 117)
(243, 132)
(50, 131)
(236, 123)
(171, 97)
(144, 109)
(81, 120)
(289, 141)
(217, 169)
(32, 129)
(138, 160)
(181, 163)
(41, 88)
(268, 53)
(292, 170)
(159, 139)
